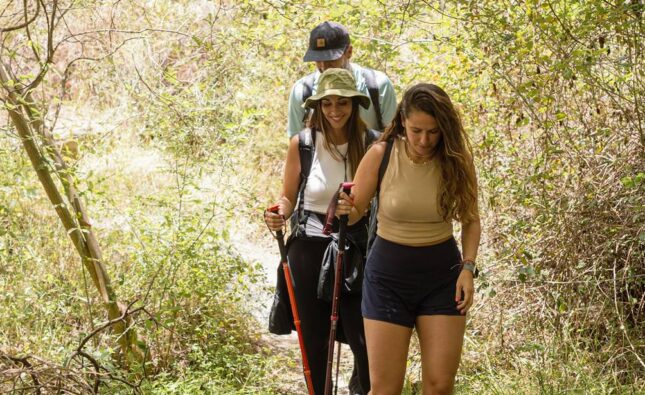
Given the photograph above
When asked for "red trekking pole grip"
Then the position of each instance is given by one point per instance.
(279, 234)
(347, 187)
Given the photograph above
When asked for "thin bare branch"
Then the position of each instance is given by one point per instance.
(27, 20)
(31, 41)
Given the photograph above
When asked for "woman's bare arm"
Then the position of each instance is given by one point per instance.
(365, 182)
(290, 184)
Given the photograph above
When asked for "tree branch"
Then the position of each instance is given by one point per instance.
(27, 21)
(50, 51)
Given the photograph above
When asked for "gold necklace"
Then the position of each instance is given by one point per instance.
(409, 156)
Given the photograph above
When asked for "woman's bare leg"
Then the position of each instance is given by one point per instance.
(387, 352)
(441, 338)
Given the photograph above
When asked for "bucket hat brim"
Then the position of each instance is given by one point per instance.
(364, 100)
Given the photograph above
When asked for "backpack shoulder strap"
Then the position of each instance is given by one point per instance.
(384, 162)
(308, 86)
(307, 91)
(371, 136)
(306, 148)
(373, 222)
(372, 89)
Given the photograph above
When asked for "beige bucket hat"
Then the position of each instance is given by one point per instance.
(338, 82)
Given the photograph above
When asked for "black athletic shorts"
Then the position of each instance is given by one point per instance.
(403, 282)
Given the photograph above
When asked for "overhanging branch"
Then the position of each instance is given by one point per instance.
(27, 21)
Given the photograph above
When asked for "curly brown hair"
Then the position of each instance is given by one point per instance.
(458, 190)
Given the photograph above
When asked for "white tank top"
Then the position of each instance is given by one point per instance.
(325, 176)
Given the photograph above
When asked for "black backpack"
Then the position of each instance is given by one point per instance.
(372, 89)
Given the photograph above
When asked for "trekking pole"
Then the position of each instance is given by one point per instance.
(346, 186)
(292, 299)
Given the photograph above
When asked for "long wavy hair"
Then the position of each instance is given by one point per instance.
(458, 188)
(355, 128)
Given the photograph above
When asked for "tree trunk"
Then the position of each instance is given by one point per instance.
(74, 217)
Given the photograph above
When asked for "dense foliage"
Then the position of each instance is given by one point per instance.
(179, 113)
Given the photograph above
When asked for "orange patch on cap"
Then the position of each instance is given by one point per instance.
(320, 42)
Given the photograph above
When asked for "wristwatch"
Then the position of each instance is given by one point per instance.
(469, 265)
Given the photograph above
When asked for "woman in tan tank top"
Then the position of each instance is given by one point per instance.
(415, 277)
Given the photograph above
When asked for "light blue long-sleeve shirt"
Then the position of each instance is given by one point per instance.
(387, 100)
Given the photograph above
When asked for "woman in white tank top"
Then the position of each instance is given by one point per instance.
(339, 136)
(415, 276)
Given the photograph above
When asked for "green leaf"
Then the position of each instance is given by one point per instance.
(628, 182)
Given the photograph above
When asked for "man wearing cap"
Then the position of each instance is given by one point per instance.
(329, 47)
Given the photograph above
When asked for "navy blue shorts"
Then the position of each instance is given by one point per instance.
(403, 282)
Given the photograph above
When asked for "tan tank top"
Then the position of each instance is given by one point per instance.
(408, 210)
